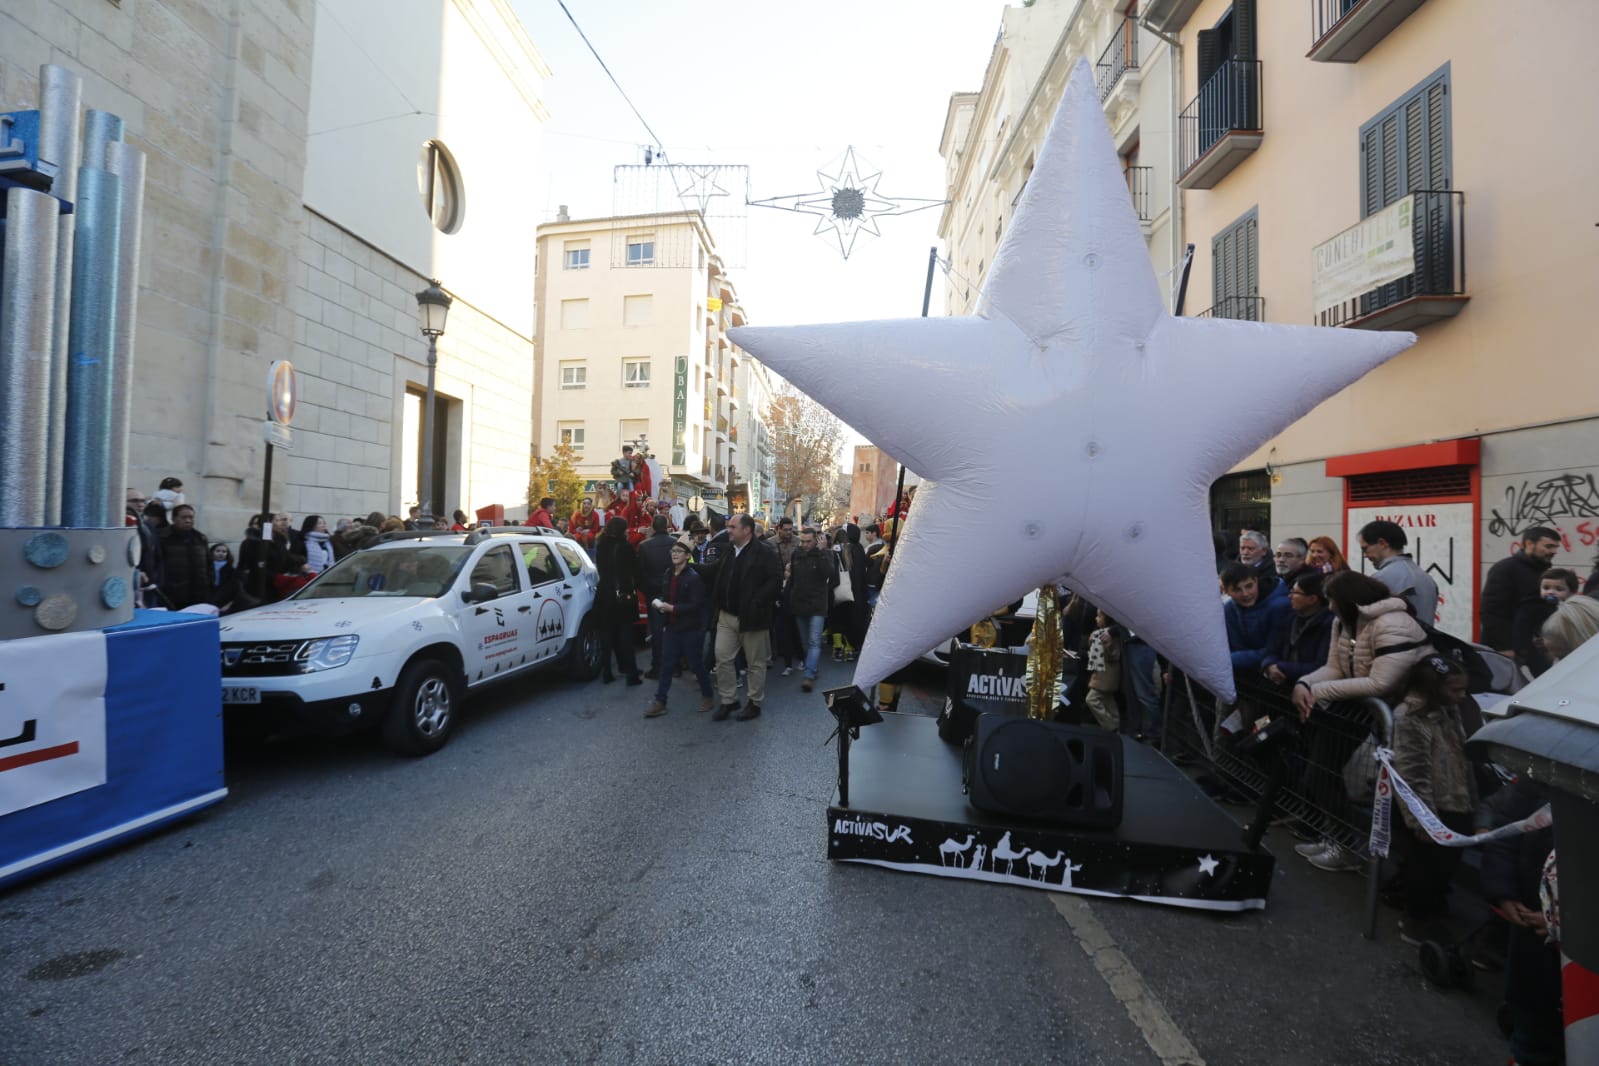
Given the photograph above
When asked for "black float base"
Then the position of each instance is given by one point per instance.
(1174, 846)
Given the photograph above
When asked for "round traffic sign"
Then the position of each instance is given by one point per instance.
(283, 389)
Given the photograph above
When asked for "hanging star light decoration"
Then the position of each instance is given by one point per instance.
(703, 189)
(1071, 428)
(848, 202)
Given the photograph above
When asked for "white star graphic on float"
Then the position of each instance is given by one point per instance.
(1070, 428)
(1207, 866)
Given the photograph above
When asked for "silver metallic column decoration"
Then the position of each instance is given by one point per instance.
(27, 299)
(127, 163)
(84, 478)
(60, 126)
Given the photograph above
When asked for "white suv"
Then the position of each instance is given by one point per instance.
(395, 635)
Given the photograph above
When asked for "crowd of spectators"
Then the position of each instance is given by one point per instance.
(1301, 623)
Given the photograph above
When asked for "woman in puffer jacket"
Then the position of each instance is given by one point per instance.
(1375, 642)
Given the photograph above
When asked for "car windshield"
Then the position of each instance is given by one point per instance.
(423, 570)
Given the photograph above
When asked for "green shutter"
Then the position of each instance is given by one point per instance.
(1235, 258)
(1406, 147)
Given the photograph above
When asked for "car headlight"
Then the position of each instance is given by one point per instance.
(325, 653)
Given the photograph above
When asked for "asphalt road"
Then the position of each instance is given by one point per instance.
(567, 882)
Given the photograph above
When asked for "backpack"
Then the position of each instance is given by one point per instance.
(1479, 678)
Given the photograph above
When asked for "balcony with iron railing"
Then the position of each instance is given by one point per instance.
(1239, 308)
(1139, 181)
(1434, 288)
(1342, 31)
(1221, 127)
(1116, 73)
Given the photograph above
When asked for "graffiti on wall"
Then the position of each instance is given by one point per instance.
(1564, 496)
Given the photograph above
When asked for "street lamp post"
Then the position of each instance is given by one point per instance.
(433, 303)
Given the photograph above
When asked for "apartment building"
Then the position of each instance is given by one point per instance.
(632, 345)
(1368, 164)
(991, 136)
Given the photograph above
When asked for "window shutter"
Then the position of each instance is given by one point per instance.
(1221, 255)
(1371, 171)
(1244, 29)
(1249, 239)
(1415, 175)
(1438, 134)
(1406, 148)
(1210, 56)
(1381, 160)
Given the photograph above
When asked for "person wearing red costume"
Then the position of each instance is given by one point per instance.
(542, 516)
(585, 524)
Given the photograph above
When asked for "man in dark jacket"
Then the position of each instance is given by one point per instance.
(681, 603)
(616, 600)
(718, 542)
(654, 560)
(812, 577)
(152, 524)
(744, 581)
(185, 561)
(1512, 587)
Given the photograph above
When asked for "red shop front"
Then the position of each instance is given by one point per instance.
(1432, 491)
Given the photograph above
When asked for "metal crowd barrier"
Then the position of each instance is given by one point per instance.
(1312, 792)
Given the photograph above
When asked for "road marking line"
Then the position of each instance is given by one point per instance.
(1165, 1039)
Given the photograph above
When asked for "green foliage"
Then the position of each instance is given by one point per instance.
(556, 476)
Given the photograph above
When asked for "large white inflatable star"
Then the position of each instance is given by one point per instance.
(1071, 428)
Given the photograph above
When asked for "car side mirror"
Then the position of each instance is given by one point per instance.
(480, 592)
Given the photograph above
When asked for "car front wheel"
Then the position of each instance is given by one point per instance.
(586, 654)
(426, 703)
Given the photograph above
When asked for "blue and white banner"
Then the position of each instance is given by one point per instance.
(52, 718)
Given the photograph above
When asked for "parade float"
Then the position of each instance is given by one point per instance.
(1071, 365)
(109, 716)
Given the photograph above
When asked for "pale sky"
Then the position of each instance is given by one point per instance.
(783, 88)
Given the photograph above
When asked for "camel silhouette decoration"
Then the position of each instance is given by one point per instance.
(1039, 864)
(951, 850)
(1002, 851)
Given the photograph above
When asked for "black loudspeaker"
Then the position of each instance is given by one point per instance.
(1045, 770)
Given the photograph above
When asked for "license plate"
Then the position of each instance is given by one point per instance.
(240, 694)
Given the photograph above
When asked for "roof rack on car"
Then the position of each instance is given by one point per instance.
(482, 533)
(415, 534)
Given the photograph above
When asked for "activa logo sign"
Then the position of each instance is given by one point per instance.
(850, 827)
(1013, 688)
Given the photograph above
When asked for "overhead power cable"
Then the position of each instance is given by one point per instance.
(608, 74)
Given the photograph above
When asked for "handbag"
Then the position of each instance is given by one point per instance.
(1360, 772)
(844, 593)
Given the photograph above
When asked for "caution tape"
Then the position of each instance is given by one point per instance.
(1389, 782)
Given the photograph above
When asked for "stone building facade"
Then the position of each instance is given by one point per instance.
(283, 219)
(216, 95)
